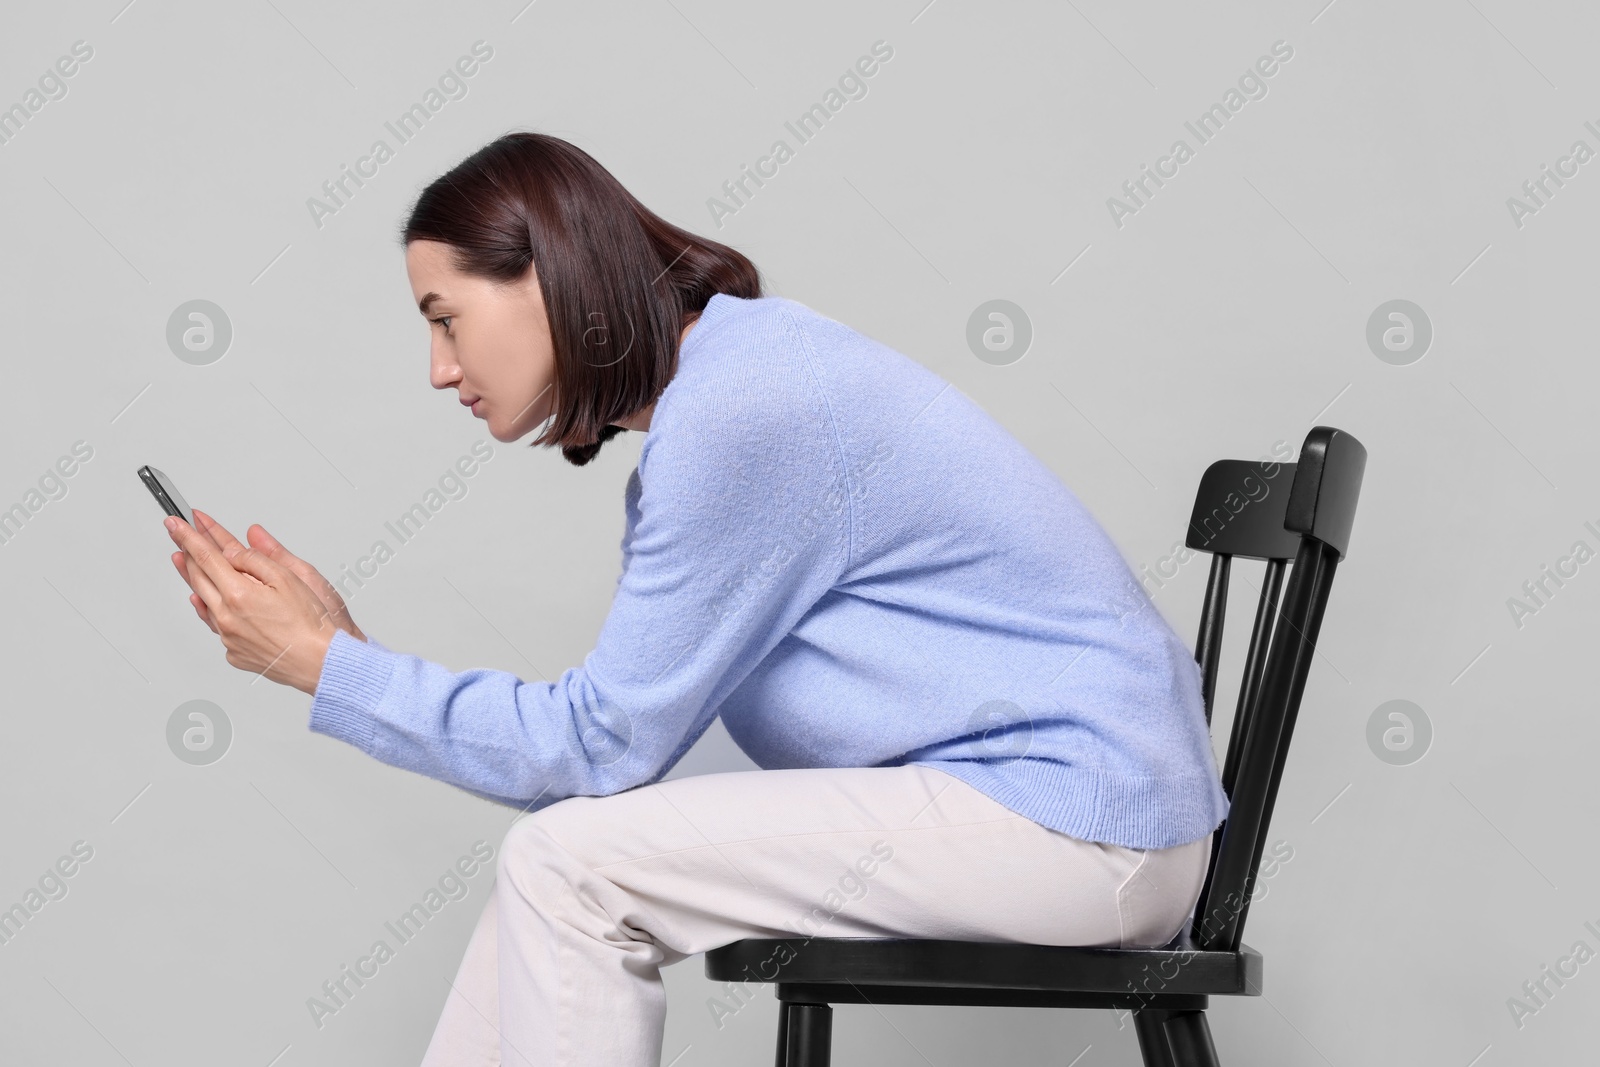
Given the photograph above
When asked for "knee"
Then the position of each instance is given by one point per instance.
(525, 843)
(532, 859)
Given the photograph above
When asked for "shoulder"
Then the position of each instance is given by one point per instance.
(744, 370)
(732, 322)
(745, 398)
(789, 322)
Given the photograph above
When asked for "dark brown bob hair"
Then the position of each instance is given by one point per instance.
(619, 282)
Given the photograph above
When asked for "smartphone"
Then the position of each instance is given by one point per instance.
(166, 493)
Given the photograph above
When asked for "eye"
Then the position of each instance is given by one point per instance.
(443, 320)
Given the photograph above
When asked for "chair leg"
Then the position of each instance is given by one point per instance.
(807, 1031)
(1153, 1046)
(783, 1034)
(1189, 1035)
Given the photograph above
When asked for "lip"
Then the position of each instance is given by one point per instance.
(475, 405)
(468, 403)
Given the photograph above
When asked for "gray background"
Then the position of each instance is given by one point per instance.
(1228, 313)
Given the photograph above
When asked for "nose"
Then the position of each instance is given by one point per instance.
(442, 369)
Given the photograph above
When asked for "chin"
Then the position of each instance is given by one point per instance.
(506, 435)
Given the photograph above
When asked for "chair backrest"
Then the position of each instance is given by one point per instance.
(1277, 512)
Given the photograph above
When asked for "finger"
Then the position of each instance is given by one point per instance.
(214, 529)
(265, 542)
(203, 586)
(260, 538)
(203, 553)
(180, 560)
(220, 536)
(200, 610)
(275, 549)
(256, 564)
(196, 579)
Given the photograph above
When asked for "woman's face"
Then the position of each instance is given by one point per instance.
(490, 341)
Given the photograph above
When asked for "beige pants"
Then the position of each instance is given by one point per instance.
(594, 895)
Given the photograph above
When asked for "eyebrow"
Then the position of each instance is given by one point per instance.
(427, 301)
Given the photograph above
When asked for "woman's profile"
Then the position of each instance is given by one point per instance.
(970, 720)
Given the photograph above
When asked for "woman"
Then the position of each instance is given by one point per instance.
(972, 721)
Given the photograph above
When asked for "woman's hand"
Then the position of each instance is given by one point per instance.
(270, 621)
(265, 542)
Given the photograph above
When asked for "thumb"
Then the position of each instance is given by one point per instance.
(274, 549)
(264, 541)
(254, 563)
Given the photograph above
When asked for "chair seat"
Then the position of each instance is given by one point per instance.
(1177, 968)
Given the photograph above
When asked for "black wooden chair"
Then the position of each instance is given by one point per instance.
(1301, 511)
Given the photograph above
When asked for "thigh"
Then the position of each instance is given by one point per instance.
(840, 852)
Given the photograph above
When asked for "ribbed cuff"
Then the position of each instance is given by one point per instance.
(355, 676)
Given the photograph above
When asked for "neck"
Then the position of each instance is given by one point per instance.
(640, 420)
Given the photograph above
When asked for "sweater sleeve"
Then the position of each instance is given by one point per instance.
(743, 524)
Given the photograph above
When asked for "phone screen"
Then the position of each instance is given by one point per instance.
(166, 493)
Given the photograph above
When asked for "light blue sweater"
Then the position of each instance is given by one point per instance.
(853, 565)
